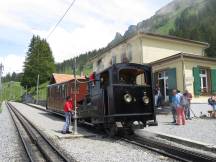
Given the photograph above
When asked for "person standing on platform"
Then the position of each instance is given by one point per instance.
(212, 102)
(173, 105)
(187, 106)
(176, 102)
(159, 98)
(68, 109)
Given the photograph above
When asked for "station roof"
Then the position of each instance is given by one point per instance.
(183, 55)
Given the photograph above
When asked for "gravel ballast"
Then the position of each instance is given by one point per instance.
(11, 147)
(100, 149)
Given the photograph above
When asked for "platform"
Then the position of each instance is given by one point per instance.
(197, 130)
(81, 134)
(36, 106)
(183, 141)
(48, 122)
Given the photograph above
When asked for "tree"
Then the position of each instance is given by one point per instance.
(198, 25)
(39, 60)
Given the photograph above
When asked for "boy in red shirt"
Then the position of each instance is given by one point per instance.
(68, 108)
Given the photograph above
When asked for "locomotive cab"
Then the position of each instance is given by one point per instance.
(121, 97)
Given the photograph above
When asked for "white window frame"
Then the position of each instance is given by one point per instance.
(204, 76)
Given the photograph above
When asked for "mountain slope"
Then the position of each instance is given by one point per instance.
(198, 23)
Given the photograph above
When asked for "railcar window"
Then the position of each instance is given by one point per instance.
(73, 90)
(63, 91)
(133, 76)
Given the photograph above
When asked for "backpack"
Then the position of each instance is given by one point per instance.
(210, 101)
(183, 101)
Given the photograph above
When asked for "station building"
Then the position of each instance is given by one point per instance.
(176, 62)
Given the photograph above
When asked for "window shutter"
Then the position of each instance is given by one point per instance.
(197, 81)
(171, 81)
(213, 80)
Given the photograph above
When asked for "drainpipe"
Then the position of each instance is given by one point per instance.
(183, 71)
(141, 56)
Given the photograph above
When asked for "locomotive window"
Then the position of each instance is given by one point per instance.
(104, 79)
(133, 76)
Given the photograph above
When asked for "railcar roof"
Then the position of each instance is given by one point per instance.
(81, 79)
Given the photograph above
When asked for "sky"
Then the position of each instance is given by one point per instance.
(89, 24)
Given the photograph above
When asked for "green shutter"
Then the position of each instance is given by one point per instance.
(197, 81)
(213, 80)
(171, 73)
(172, 78)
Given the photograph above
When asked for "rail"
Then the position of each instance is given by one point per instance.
(168, 150)
(37, 145)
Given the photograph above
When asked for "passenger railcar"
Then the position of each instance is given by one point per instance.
(58, 92)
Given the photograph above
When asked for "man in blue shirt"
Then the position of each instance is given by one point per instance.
(176, 102)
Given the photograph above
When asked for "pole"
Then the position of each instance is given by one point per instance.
(1, 71)
(75, 106)
(26, 90)
(38, 77)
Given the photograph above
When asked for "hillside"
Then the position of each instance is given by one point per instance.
(14, 91)
(198, 23)
(193, 19)
(11, 91)
(83, 66)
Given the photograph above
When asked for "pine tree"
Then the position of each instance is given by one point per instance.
(39, 61)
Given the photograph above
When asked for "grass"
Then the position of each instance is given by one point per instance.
(0, 107)
(14, 91)
(11, 91)
(42, 91)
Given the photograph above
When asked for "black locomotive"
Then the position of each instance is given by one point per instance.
(120, 99)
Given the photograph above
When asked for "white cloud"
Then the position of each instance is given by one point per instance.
(97, 21)
(90, 24)
(12, 63)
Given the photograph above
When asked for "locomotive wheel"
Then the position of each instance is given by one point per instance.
(113, 131)
(129, 131)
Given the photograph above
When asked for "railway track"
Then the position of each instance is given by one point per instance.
(38, 147)
(168, 150)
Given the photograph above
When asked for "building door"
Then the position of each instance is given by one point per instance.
(163, 84)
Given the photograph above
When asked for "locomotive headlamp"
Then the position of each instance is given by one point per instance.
(145, 99)
(127, 98)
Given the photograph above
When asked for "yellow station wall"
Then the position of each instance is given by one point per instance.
(156, 48)
(169, 65)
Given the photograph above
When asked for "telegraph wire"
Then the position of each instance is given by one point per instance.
(61, 19)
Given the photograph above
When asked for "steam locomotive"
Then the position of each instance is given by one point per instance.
(119, 99)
